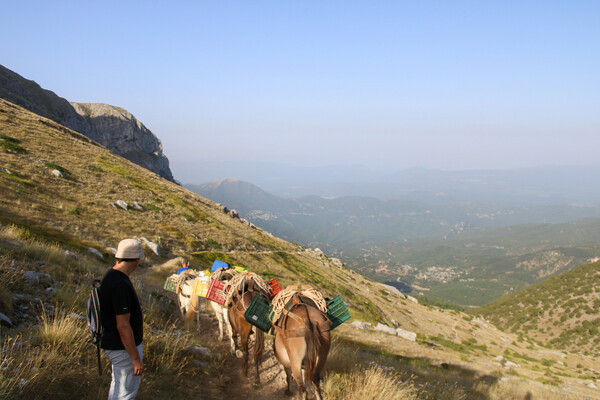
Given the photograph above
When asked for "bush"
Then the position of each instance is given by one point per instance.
(11, 144)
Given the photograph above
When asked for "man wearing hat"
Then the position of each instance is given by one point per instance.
(122, 320)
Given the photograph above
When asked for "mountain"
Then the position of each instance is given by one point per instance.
(242, 196)
(467, 253)
(562, 312)
(282, 179)
(112, 127)
(66, 201)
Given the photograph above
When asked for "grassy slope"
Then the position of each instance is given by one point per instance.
(74, 213)
(562, 312)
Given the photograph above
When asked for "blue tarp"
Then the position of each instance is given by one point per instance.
(218, 264)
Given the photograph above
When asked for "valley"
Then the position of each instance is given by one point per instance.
(461, 252)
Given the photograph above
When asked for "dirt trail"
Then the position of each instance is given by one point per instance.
(233, 384)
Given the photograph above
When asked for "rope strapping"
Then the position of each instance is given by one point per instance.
(182, 280)
(238, 282)
(283, 297)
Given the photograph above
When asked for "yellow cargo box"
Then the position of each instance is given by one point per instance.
(201, 287)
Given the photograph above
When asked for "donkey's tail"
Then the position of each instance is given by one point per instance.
(259, 344)
(311, 336)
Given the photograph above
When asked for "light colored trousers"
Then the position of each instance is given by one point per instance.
(124, 385)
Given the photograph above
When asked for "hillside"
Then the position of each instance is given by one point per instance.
(110, 126)
(67, 200)
(562, 312)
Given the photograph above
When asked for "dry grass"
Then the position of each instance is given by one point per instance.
(55, 359)
(371, 384)
(55, 362)
(80, 205)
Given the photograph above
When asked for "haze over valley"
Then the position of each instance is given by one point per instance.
(465, 237)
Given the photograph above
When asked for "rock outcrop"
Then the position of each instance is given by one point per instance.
(113, 127)
(118, 130)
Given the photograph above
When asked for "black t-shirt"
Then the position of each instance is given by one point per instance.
(117, 296)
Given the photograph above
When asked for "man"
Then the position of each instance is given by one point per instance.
(122, 320)
(185, 266)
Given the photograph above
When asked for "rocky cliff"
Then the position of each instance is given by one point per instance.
(112, 127)
(123, 134)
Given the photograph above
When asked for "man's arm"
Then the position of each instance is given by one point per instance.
(126, 334)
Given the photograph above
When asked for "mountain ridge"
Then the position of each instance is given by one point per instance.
(111, 126)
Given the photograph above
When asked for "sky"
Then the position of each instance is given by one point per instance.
(388, 85)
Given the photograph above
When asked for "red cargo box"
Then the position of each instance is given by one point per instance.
(215, 292)
(275, 287)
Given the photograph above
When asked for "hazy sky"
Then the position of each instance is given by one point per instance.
(389, 84)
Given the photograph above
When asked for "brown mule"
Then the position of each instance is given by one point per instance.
(302, 340)
(242, 329)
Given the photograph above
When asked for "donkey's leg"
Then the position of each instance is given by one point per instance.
(281, 353)
(220, 318)
(233, 331)
(227, 321)
(193, 311)
(199, 307)
(322, 352)
(259, 345)
(219, 314)
(181, 303)
(296, 349)
(244, 336)
(288, 379)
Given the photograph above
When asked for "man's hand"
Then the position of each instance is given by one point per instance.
(138, 367)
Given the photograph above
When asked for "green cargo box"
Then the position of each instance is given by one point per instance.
(337, 311)
(258, 313)
(170, 284)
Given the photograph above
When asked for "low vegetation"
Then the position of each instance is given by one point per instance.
(560, 312)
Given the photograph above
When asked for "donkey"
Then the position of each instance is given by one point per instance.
(189, 303)
(302, 339)
(221, 311)
(243, 329)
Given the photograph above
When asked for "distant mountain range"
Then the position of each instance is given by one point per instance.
(465, 252)
(339, 222)
(535, 185)
(113, 127)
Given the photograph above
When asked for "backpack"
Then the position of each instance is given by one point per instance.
(93, 319)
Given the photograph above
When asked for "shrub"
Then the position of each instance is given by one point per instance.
(57, 167)
(11, 144)
(213, 244)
